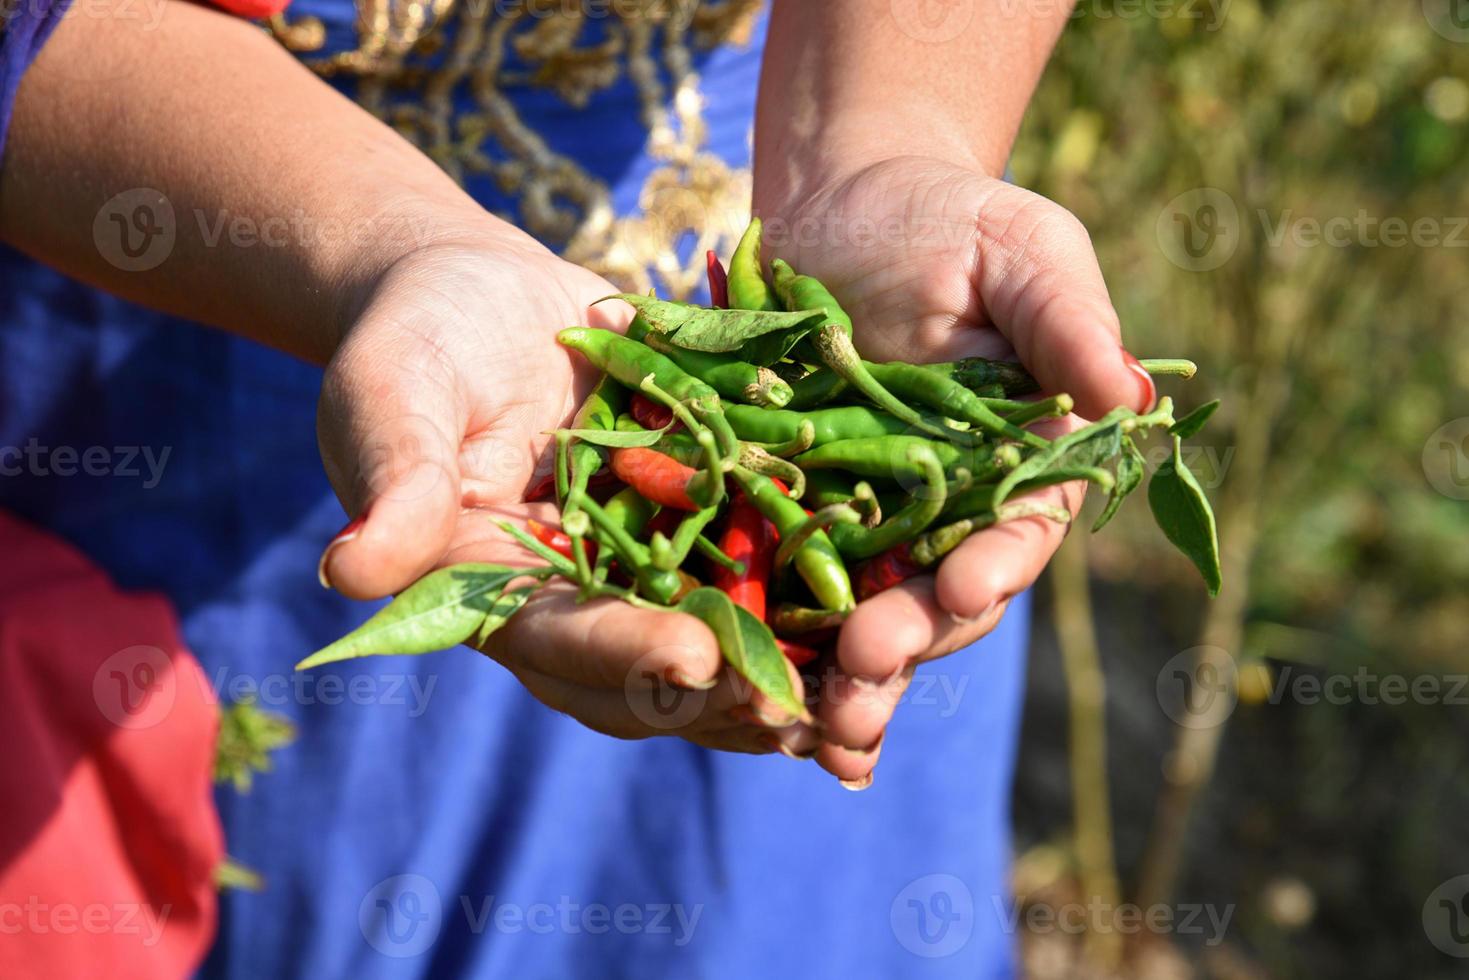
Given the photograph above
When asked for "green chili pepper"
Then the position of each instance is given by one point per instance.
(983, 376)
(816, 388)
(1058, 406)
(828, 425)
(731, 377)
(888, 458)
(916, 385)
(657, 584)
(598, 412)
(748, 289)
(924, 507)
(817, 562)
(827, 487)
(629, 362)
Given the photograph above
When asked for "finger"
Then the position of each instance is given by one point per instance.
(905, 623)
(854, 767)
(607, 643)
(389, 437)
(855, 713)
(999, 562)
(644, 714)
(1041, 286)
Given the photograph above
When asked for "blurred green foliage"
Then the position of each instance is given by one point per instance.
(1337, 362)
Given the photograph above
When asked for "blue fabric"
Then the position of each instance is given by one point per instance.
(433, 819)
(23, 31)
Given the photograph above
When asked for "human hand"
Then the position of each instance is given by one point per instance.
(935, 262)
(433, 424)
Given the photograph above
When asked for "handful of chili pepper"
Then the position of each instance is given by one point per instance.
(759, 468)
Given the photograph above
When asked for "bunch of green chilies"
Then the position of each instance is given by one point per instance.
(750, 447)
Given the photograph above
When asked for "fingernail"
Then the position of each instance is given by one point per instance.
(857, 785)
(776, 745)
(676, 677)
(1146, 388)
(353, 528)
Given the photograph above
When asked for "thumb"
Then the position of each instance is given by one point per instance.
(389, 437)
(1042, 287)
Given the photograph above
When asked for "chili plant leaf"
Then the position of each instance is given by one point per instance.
(618, 439)
(439, 611)
(1183, 512)
(1086, 448)
(748, 646)
(1130, 468)
(714, 331)
(507, 605)
(772, 347)
(1189, 426)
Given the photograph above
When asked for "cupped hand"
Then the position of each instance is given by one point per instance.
(433, 424)
(935, 262)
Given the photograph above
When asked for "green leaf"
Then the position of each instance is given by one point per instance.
(1189, 426)
(618, 439)
(1130, 469)
(748, 646)
(767, 350)
(500, 612)
(1183, 512)
(714, 331)
(439, 611)
(1087, 447)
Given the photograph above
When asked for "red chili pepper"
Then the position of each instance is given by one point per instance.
(542, 489)
(718, 282)
(885, 571)
(551, 537)
(662, 479)
(749, 538)
(649, 414)
(796, 653)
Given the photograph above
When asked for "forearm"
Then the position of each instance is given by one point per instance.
(846, 84)
(285, 199)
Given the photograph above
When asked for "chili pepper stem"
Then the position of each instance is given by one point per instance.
(560, 562)
(712, 551)
(834, 345)
(757, 460)
(1160, 417)
(819, 521)
(1058, 406)
(1175, 367)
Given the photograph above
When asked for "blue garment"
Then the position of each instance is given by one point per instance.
(432, 819)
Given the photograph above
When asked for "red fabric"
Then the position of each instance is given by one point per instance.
(252, 9)
(108, 833)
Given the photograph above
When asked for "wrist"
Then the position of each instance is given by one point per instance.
(794, 168)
